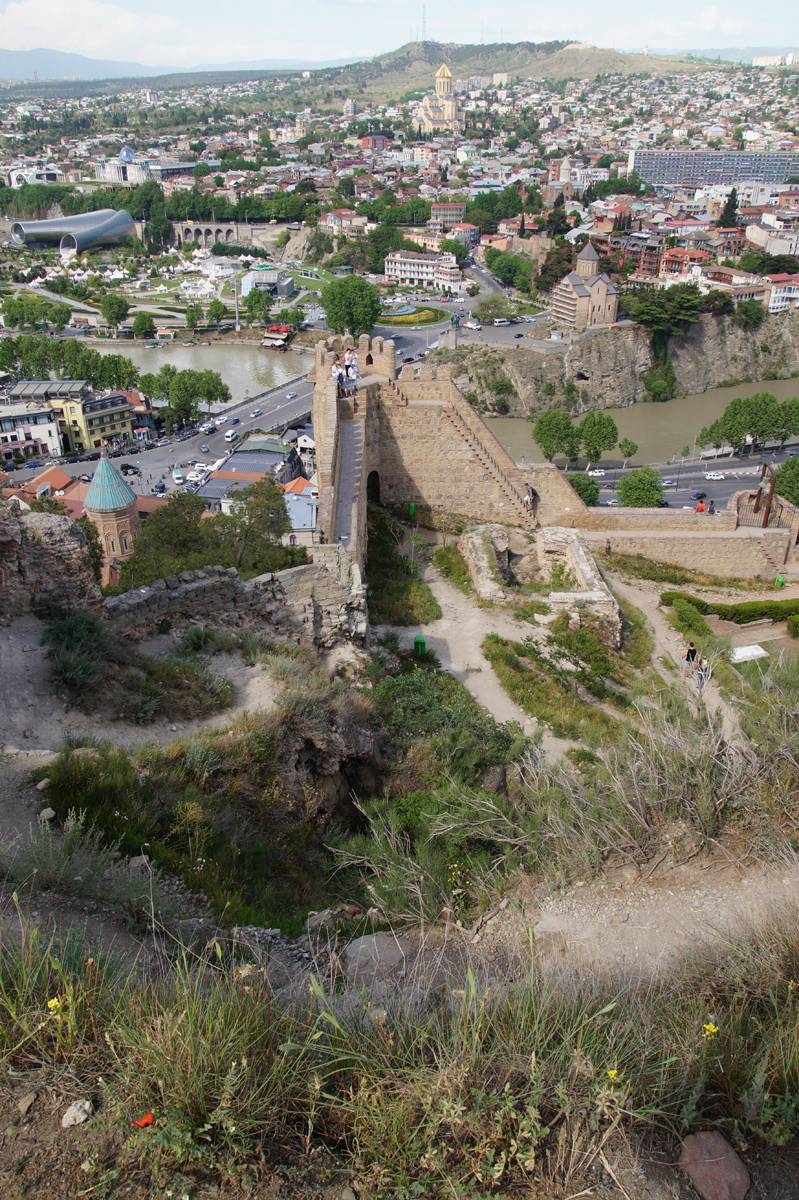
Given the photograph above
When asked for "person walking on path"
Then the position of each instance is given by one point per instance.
(690, 659)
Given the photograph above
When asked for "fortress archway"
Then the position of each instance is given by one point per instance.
(373, 488)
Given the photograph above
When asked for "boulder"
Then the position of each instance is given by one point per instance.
(373, 956)
(713, 1167)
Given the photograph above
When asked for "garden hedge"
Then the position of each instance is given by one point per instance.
(741, 613)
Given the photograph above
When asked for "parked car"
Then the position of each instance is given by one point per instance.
(614, 503)
(714, 475)
(208, 427)
(256, 412)
(35, 463)
(699, 495)
(159, 489)
(164, 441)
(596, 473)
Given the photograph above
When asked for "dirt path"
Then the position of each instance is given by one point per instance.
(456, 638)
(32, 717)
(671, 646)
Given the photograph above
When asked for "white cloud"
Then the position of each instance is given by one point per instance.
(101, 30)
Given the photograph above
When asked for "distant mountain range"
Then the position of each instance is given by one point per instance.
(56, 64)
(739, 54)
(405, 71)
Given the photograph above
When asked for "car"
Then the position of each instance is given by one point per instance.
(198, 462)
(714, 475)
(205, 449)
(614, 503)
(208, 427)
(596, 473)
(291, 395)
(518, 335)
(699, 495)
(670, 483)
(220, 420)
(235, 420)
(256, 412)
(609, 486)
(165, 441)
(35, 463)
(159, 489)
(85, 478)
(663, 504)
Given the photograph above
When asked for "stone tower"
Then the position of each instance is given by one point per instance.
(110, 505)
(443, 83)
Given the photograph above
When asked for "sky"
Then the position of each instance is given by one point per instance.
(186, 33)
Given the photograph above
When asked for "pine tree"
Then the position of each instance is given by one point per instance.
(729, 214)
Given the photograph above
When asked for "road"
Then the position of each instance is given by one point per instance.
(689, 478)
(156, 464)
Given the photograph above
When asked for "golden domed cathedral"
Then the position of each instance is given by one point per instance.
(439, 113)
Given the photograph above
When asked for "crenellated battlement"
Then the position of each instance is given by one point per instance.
(376, 355)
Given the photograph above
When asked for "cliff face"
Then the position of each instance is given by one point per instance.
(716, 350)
(604, 368)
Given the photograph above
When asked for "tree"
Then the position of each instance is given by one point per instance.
(115, 309)
(749, 314)
(628, 449)
(173, 538)
(555, 433)
(642, 488)
(729, 214)
(257, 521)
(351, 305)
(587, 489)
(597, 432)
(686, 450)
(143, 325)
(787, 484)
(216, 312)
(456, 247)
(194, 316)
(257, 303)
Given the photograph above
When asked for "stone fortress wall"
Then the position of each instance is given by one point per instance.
(318, 605)
(44, 562)
(410, 436)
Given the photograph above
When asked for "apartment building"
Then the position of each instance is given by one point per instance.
(671, 168)
(447, 214)
(29, 430)
(782, 292)
(90, 421)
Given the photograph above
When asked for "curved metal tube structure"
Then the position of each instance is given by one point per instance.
(105, 226)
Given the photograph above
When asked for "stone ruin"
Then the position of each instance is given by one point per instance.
(44, 563)
(486, 551)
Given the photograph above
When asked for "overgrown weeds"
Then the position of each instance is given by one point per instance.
(476, 1092)
(397, 596)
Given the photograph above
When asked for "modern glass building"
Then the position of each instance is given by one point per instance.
(103, 227)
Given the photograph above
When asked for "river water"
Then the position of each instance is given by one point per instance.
(247, 370)
(660, 430)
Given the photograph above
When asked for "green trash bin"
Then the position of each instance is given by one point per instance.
(420, 645)
(411, 508)
(779, 581)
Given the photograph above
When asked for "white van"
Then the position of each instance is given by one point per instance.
(501, 321)
(231, 435)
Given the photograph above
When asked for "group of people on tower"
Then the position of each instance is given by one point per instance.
(346, 373)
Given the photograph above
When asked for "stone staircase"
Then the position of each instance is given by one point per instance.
(508, 479)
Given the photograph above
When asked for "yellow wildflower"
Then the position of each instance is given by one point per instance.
(612, 1074)
(709, 1030)
(54, 1004)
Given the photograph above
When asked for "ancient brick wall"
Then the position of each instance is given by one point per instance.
(742, 554)
(319, 604)
(44, 563)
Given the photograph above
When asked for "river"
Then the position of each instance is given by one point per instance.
(246, 370)
(660, 430)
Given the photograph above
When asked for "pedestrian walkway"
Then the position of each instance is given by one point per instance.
(350, 481)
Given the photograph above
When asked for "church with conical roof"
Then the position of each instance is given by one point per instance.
(585, 296)
(111, 505)
(439, 113)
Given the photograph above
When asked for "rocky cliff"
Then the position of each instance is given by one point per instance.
(604, 368)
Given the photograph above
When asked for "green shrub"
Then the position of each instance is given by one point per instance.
(689, 620)
(741, 612)
(793, 626)
(73, 670)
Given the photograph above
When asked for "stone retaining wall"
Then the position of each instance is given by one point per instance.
(320, 604)
(744, 554)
